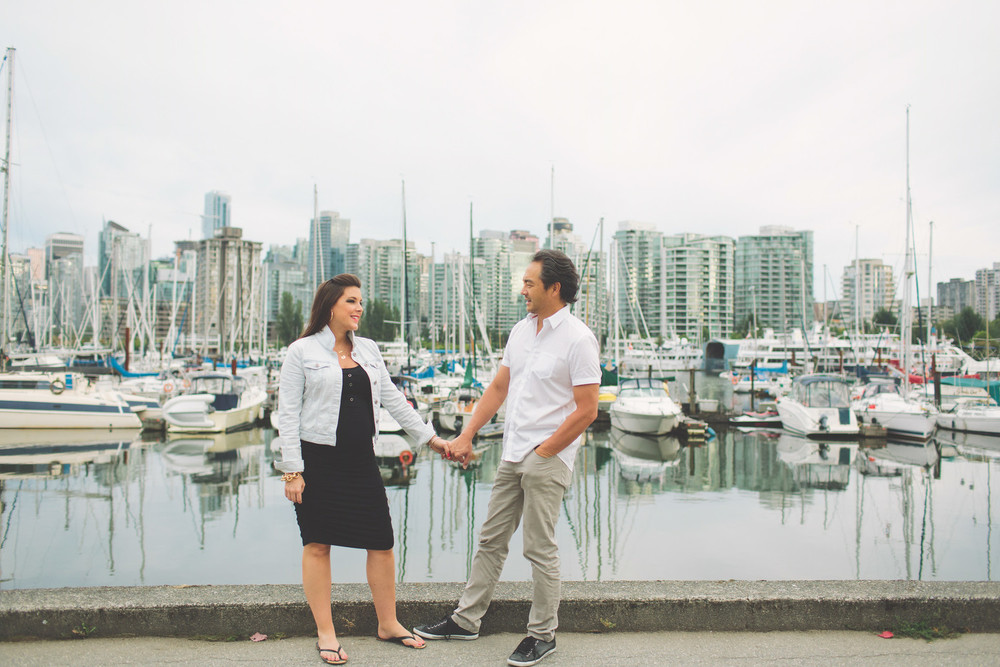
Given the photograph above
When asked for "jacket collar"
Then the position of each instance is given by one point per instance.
(327, 339)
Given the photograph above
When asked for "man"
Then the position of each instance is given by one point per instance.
(550, 373)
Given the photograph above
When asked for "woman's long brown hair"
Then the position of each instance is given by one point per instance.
(327, 296)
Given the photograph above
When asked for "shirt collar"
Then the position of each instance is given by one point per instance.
(556, 318)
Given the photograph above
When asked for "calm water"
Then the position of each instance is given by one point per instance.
(743, 506)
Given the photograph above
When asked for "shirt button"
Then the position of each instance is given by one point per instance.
(351, 399)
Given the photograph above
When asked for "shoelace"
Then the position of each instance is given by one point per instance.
(526, 646)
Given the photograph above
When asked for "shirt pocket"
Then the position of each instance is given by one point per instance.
(545, 365)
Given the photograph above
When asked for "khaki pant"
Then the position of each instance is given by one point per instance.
(533, 489)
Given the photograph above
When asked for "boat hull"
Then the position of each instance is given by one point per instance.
(820, 423)
(192, 413)
(987, 424)
(901, 424)
(64, 412)
(647, 423)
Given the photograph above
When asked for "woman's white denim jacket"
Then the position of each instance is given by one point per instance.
(310, 390)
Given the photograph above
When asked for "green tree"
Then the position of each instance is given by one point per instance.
(289, 322)
(963, 326)
(375, 323)
(743, 327)
(884, 317)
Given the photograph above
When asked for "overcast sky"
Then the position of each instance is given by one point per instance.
(706, 117)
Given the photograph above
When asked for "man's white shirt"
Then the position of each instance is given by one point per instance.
(544, 368)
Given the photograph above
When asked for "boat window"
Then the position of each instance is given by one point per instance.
(211, 385)
(24, 384)
(827, 395)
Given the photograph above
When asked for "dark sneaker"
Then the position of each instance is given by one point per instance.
(444, 629)
(530, 651)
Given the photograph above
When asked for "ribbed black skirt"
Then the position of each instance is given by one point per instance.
(344, 502)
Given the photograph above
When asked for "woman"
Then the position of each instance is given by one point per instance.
(332, 384)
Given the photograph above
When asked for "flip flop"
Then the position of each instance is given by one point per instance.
(400, 640)
(340, 658)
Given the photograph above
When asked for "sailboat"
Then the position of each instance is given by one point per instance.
(887, 404)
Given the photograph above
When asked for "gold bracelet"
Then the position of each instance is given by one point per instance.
(290, 476)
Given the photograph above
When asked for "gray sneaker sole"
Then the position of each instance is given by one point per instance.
(515, 663)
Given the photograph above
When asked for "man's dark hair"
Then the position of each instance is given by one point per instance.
(558, 268)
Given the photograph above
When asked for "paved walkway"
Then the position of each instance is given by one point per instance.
(629, 649)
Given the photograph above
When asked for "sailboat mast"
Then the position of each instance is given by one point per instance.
(318, 269)
(552, 206)
(906, 318)
(930, 285)
(472, 291)
(402, 310)
(6, 199)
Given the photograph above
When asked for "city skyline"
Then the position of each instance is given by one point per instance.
(721, 119)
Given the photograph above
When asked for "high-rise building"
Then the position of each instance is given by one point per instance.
(867, 287)
(592, 299)
(218, 213)
(121, 254)
(637, 278)
(61, 245)
(286, 270)
(697, 292)
(774, 272)
(228, 293)
(988, 292)
(328, 240)
(379, 265)
(64, 273)
(956, 295)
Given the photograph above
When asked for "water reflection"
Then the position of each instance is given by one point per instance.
(643, 460)
(112, 508)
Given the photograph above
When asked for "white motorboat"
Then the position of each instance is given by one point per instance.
(215, 402)
(644, 406)
(60, 400)
(386, 422)
(818, 407)
(881, 404)
(980, 415)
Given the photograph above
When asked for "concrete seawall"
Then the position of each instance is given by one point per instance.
(621, 606)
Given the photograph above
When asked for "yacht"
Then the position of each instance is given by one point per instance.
(980, 415)
(881, 404)
(60, 400)
(818, 406)
(215, 402)
(644, 406)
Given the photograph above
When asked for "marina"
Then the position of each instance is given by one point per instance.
(125, 508)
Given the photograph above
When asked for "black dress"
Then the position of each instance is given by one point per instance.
(344, 502)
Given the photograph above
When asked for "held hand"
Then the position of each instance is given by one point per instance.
(439, 445)
(461, 449)
(294, 489)
(446, 450)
